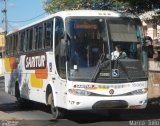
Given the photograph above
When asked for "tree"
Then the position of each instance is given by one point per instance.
(133, 6)
(51, 6)
(57, 5)
(141, 6)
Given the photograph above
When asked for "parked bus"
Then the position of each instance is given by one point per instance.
(64, 61)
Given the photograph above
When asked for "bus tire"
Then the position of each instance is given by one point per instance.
(57, 113)
(114, 114)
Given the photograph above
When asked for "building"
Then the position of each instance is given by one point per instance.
(151, 23)
(2, 47)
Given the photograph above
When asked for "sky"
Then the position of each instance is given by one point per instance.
(21, 10)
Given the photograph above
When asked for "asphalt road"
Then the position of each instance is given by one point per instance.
(38, 115)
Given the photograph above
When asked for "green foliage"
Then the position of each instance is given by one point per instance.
(133, 6)
(119, 4)
(51, 6)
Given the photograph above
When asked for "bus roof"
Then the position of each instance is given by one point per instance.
(88, 13)
(76, 13)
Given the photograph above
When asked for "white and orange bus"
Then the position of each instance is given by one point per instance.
(64, 60)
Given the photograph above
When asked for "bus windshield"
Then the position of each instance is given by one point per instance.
(91, 43)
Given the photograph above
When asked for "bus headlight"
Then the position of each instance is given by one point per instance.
(139, 91)
(79, 92)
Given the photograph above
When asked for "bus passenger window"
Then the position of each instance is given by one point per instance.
(40, 34)
(6, 48)
(48, 34)
(23, 41)
(10, 45)
(36, 38)
(19, 42)
(7, 45)
(60, 48)
(30, 39)
(15, 43)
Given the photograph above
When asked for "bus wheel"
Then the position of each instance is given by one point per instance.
(114, 114)
(57, 113)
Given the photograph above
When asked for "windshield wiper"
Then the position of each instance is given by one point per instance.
(98, 67)
(123, 69)
(102, 63)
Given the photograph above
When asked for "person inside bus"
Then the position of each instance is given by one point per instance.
(118, 53)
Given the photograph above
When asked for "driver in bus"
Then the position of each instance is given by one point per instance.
(118, 54)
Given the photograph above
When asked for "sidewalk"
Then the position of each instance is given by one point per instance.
(6, 116)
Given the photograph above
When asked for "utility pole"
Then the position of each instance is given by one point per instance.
(4, 11)
(5, 19)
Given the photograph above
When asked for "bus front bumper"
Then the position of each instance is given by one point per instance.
(122, 102)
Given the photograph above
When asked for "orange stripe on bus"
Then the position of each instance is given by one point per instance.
(42, 73)
(12, 61)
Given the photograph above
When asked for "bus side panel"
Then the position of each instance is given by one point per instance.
(31, 80)
(58, 84)
(10, 75)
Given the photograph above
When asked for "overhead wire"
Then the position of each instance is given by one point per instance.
(28, 19)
